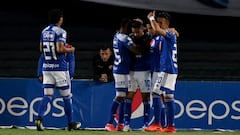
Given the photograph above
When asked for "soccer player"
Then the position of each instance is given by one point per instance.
(158, 106)
(122, 45)
(167, 77)
(139, 73)
(70, 58)
(55, 68)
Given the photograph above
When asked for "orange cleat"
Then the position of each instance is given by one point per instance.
(120, 127)
(110, 128)
(153, 128)
(169, 129)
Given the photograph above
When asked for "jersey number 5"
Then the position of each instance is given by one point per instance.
(174, 56)
(117, 56)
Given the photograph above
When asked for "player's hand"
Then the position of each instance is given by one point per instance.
(73, 49)
(110, 67)
(173, 30)
(150, 14)
(103, 78)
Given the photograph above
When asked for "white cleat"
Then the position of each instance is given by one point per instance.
(127, 128)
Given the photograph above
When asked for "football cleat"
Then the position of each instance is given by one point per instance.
(127, 128)
(153, 128)
(169, 129)
(120, 127)
(39, 125)
(73, 126)
(110, 128)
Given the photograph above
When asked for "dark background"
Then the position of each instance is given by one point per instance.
(209, 46)
(78, 13)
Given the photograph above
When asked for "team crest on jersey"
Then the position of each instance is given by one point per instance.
(48, 35)
(152, 43)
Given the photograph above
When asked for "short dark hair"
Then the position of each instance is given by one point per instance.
(126, 22)
(164, 15)
(105, 47)
(54, 15)
(136, 24)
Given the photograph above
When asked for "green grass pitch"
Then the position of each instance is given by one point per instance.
(90, 132)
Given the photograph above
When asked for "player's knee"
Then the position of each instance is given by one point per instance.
(48, 91)
(120, 94)
(119, 99)
(146, 96)
(169, 96)
(130, 95)
(48, 97)
(67, 97)
(65, 93)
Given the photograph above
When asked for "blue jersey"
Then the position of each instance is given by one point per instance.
(155, 52)
(168, 59)
(53, 61)
(141, 61)
(121, 45)
(70, 60)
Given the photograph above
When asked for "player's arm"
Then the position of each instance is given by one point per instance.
(135, 49)
(62, 49)
(155, 25)
(173, 30)
(71, 60)
(39, 69)
(40, 47)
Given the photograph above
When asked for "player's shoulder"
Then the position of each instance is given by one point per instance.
(122, 37)
(45, 28)
(59, 29)
(131, 35)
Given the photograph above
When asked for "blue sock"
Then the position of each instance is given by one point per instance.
(68, 108)
(121, 113)
(114, 108)
(43, 105)
(163, 115)
(146, 112)
(156, 108)
(170, 106)
(127, 111)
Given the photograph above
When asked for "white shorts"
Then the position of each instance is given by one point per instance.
(121, 80)
(121, 84)
(141, 80)
(165, 83)
(154, 79)
(56, 79)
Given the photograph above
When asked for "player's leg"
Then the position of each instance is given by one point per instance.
(157, 107)
(121, 84)
(128, 101)
(144, 82)
(169, 87)
(158, 93)
(75, 125)
(62, 83)
(48, 87)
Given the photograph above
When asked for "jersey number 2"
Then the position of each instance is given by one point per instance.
(49, 51)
